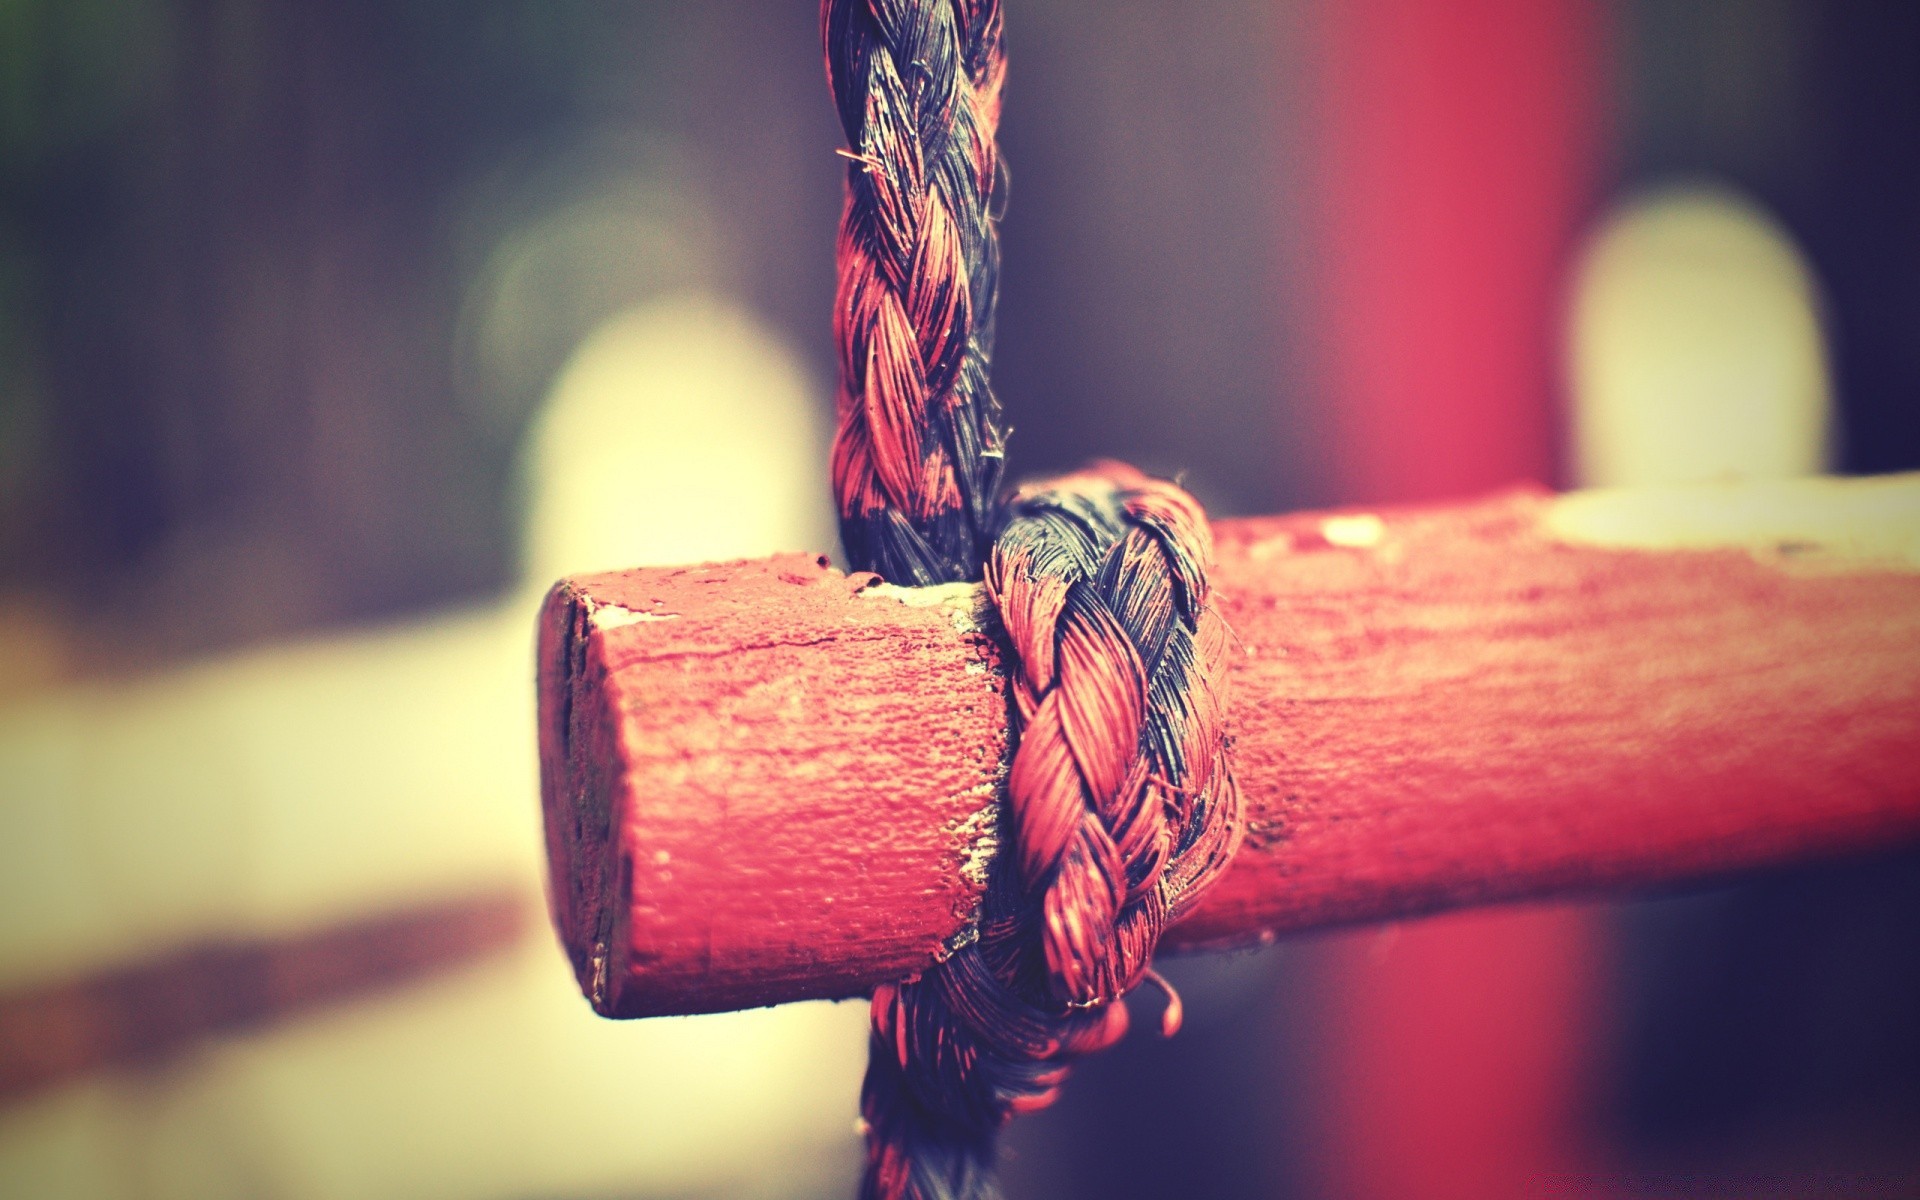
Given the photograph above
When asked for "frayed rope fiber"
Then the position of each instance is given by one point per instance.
(1120, 811)
(1120, 804)
(918, 449)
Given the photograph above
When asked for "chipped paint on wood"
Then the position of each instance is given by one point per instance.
(1486, 701)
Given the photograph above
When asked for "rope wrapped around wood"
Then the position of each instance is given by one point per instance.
(1120, 810)
(1120, 806)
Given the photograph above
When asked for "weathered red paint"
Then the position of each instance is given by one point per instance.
(762, 790)
(773, 789)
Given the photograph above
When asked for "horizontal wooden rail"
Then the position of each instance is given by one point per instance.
(147, 1013)
(766, 781)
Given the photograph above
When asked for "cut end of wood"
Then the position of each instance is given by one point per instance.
(747, 770)
(579, 825)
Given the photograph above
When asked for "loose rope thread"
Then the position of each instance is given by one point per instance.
(1120, 806)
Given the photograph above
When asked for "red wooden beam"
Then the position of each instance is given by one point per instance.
(766, 781)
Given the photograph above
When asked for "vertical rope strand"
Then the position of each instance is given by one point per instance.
(917, 452)
(1120, 806)
(1121, 810)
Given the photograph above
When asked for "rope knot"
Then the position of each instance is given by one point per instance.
(1122, 809)
(1100, 580)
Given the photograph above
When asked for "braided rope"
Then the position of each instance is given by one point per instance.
(917, 452)
(1122, 810)
(1120, 806)
(1123, 803)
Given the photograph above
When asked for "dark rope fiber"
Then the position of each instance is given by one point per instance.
(1120, 805)
(1120, 810)
(917, 453)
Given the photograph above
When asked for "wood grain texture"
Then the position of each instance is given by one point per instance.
(765, 781)
(758, 785)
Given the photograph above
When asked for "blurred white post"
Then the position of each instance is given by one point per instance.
(1696, 351)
